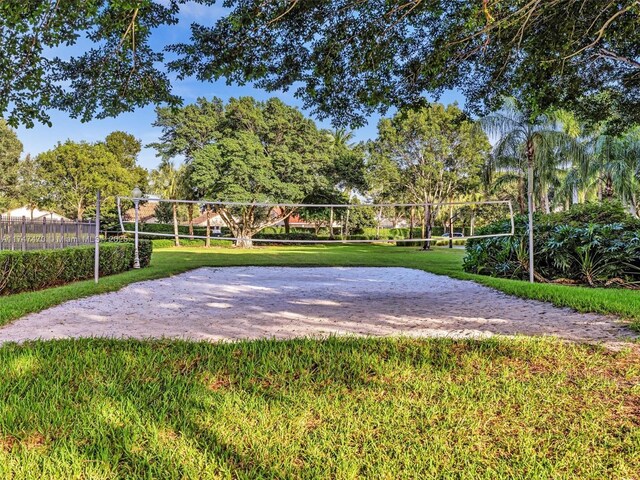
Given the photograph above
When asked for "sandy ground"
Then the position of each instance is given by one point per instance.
(258, 302)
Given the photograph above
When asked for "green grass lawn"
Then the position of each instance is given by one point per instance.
(340, 408)
(624, 303)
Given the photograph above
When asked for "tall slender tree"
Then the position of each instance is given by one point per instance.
(532, 140)
(167, 181)
(438, 152)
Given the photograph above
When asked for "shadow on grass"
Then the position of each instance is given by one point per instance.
(315, 409)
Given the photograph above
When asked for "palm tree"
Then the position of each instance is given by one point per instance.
(342, 137)
(614, 168)
(531, 141)
(167, 182)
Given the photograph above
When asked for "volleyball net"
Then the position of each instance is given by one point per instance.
(245, 223)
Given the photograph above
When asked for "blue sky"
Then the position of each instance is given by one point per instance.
(139, 123)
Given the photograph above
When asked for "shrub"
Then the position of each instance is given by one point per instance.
(186, 242)
(592, 244)
(38, 269)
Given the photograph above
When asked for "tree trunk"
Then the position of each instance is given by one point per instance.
(331, 224)
(244, 242)
(244, 238)
(521, 195)
(547, 202)
(208, 240)
(287, 225)
(176, 231)
(574, 195)
(411, 221)
(427, 227)
(472, 223)
(346, 223)
(608, 189)
(450, 227)
(530, 157)
(79, 213)
(190, 214)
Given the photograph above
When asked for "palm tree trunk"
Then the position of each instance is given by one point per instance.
(331, 223)
(427, 227)
(208, 240)
(190, 213)
(411, 221)
(546, 202)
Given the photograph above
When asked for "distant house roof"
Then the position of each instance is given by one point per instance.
(35, 214)
(146, 213)
(215, 220)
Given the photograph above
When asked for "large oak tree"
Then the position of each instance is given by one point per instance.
(262, 152)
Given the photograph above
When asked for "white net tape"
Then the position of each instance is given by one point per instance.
(263, 222)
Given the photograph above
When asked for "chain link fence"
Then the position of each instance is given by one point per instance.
(22, 233)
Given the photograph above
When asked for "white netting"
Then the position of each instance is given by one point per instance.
(245, 222)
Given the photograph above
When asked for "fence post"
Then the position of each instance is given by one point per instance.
(23, 231)
(44, 231)
(62, 233)
(13, 234)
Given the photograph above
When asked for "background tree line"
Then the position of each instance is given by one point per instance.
(252, 151)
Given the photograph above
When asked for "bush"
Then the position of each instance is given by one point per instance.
(310, 236)
(592, 244)
(38, 269)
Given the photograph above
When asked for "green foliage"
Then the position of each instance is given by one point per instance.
(90, 58)
(597, 245)
(10, 151)
(261, 151)
(163, 212)
(186, 242)
(432, 155)
(70, 174)
(38, 269)
(348, 59)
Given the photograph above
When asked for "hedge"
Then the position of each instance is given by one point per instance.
(38, 269)
(187, 242)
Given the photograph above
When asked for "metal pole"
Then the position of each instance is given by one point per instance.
(136, 255)
(530, 201)
(96, 259)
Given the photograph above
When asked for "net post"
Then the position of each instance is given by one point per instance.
(96, 258)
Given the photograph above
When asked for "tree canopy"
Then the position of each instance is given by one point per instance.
(261, 152)
(112, 67)
(435, 153)
(10, 151)
(70, 174)
(345, 59)
(352, 58)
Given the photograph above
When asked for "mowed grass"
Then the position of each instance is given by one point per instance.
(165, 262)
(340, 408)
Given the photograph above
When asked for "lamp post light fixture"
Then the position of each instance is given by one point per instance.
(136, 194)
